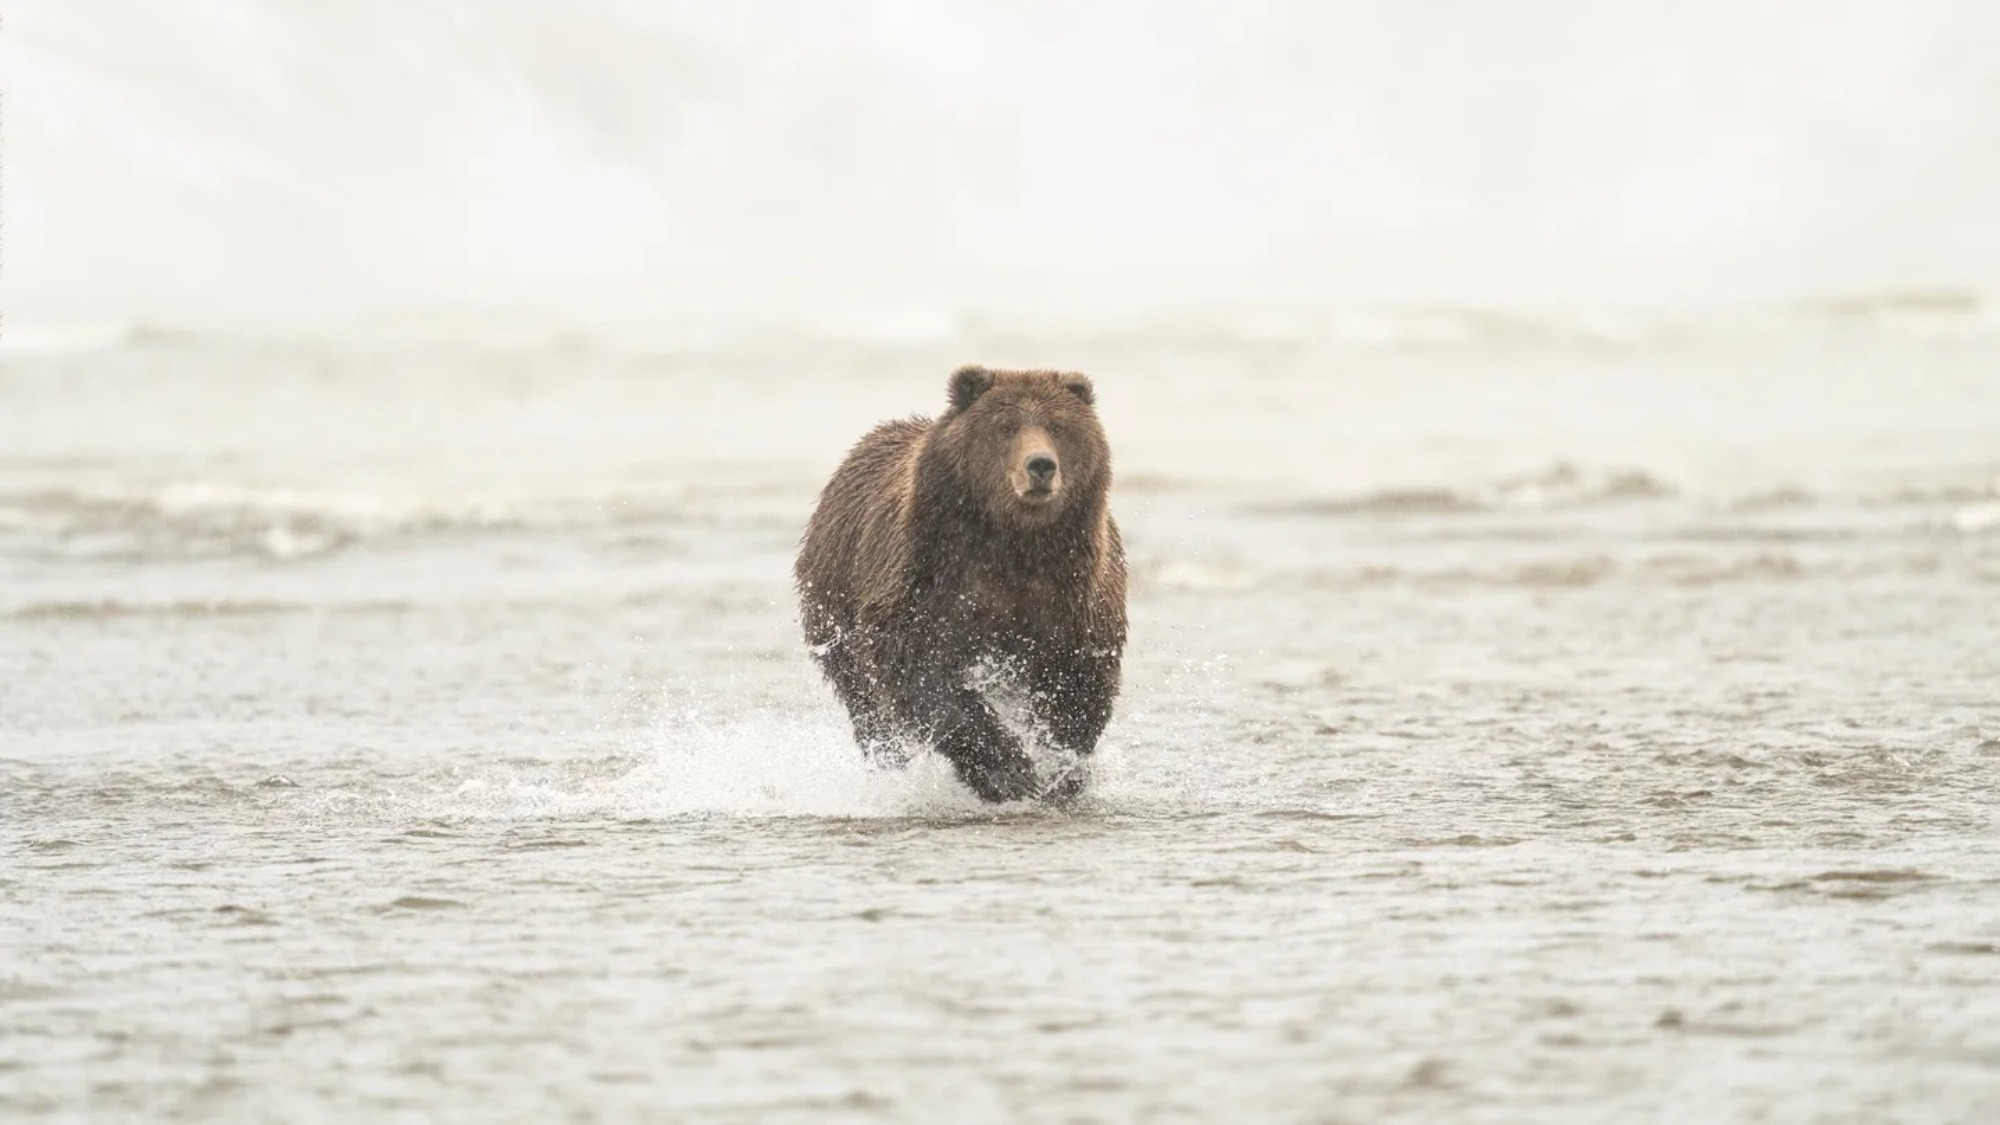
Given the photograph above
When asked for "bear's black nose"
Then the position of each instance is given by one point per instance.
(1041, 468)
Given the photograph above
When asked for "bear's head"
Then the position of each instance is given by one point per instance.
(1026, 446)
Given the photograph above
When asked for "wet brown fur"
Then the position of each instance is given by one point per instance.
(928, 554)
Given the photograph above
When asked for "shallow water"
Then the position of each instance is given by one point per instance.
(1548, 719)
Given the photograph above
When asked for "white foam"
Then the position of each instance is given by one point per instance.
(759, 764)
(1975, 519)
(776, 765)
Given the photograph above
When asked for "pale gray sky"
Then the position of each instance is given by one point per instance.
(295, 158)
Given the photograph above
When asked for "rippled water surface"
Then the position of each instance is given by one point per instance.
(1525, 720)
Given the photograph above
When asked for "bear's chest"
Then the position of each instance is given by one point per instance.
(1011, 613)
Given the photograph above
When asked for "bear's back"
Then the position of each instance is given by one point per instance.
(851, 539)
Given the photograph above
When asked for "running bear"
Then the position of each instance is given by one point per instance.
(981, 541)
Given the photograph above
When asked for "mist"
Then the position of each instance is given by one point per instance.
(294, 160)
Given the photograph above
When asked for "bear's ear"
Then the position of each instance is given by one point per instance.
(1079, 385)
(967, 384)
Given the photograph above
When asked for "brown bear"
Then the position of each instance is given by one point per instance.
(978, 543)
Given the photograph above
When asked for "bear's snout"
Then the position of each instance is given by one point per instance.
(1037, 475)
(1041, 472)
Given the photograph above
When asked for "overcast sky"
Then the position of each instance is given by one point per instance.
(297, 158)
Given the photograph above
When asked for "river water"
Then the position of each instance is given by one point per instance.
(1557, 718)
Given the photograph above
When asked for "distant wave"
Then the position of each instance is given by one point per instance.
(1941, 494)
(1555, 572)
(1972, 509)
(1565, 486)
(1193, 328)
(1906, 310)
(1421, 327)
(1781, 498)
(105, 609)
(1561, 486)
(209, 518)
(217, 518)
(1976, 519)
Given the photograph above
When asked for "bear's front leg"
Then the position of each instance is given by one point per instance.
(1072, 697)
(930, 690)
(871, 715)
